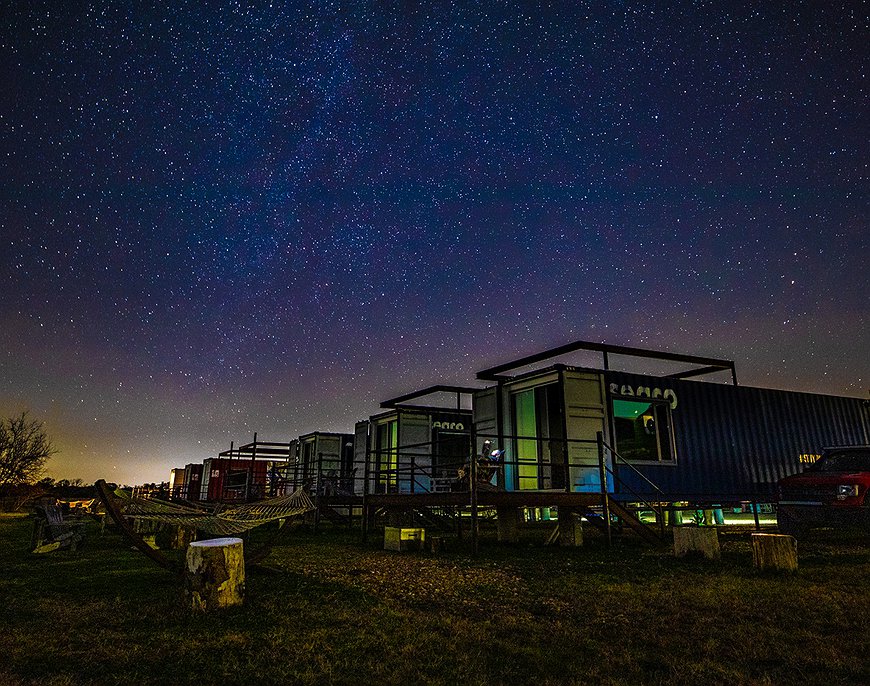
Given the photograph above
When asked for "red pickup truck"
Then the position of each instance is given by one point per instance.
(833, 492)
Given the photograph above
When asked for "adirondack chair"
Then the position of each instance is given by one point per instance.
(50, 530)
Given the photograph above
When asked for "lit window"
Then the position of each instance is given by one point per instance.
(643, 430)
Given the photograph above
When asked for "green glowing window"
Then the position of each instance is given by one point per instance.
(643, 430)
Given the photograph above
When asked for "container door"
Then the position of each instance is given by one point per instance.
(585, 417)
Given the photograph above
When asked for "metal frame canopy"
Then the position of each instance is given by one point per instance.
(392, 403)
(709, 364)
(266, 450)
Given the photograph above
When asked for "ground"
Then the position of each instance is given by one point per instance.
(325, 609)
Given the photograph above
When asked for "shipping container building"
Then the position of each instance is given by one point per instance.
(324, 461)
(414, 448)
(249, 472)
(663, 437)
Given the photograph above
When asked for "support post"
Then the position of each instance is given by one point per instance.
(318, 487)
(605, 499)
(508, 524)
(365, 493)
(473, 490)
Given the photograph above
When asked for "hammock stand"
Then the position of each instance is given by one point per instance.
(226, 522)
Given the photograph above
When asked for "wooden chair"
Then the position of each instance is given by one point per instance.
(50, 530)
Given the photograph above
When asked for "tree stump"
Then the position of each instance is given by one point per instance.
(215, 573)
(570, 528)
(774, 551)
(697, 539)
(182, 536)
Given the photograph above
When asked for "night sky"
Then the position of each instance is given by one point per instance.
(268, 217)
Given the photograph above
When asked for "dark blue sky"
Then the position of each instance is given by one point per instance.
(268, 217)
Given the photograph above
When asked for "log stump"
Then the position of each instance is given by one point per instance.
(776, 552)
(570, 528)
(182, 536)
(697, 540)
(215, 573)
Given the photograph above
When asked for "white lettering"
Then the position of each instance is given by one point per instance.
(645, 392)
(449, 426)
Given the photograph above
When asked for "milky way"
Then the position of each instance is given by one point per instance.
(263, 217)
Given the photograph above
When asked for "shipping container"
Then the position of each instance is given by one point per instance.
(414, 449)
(694, 440)
(233, 480)
(698, 440)
(326, 459)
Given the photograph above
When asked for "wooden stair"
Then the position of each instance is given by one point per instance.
(645, 531)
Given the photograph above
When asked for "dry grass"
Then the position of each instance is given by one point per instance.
(325, 609)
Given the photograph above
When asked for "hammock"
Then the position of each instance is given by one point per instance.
(233, 520)
(226, 522)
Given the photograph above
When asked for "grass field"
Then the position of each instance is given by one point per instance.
(325, 609)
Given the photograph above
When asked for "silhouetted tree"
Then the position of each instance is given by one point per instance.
(24, 449)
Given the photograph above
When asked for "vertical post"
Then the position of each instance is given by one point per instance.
(565, 444)
(733, 374)
(318, 486)
(250, 482)
(365, 493)
(226, 475)
(660, 513)
(754, 506)
(499, 429)
(473, 489)
(605, 500)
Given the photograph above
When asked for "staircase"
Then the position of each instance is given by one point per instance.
(647, 533)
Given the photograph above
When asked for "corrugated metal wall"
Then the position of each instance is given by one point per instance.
(736, 442)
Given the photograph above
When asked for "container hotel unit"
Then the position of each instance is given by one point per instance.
(689, 440)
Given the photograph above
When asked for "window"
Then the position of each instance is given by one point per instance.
(540, 442)
(386, 449)
(643, 430)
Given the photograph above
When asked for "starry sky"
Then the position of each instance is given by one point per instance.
(222, 218)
